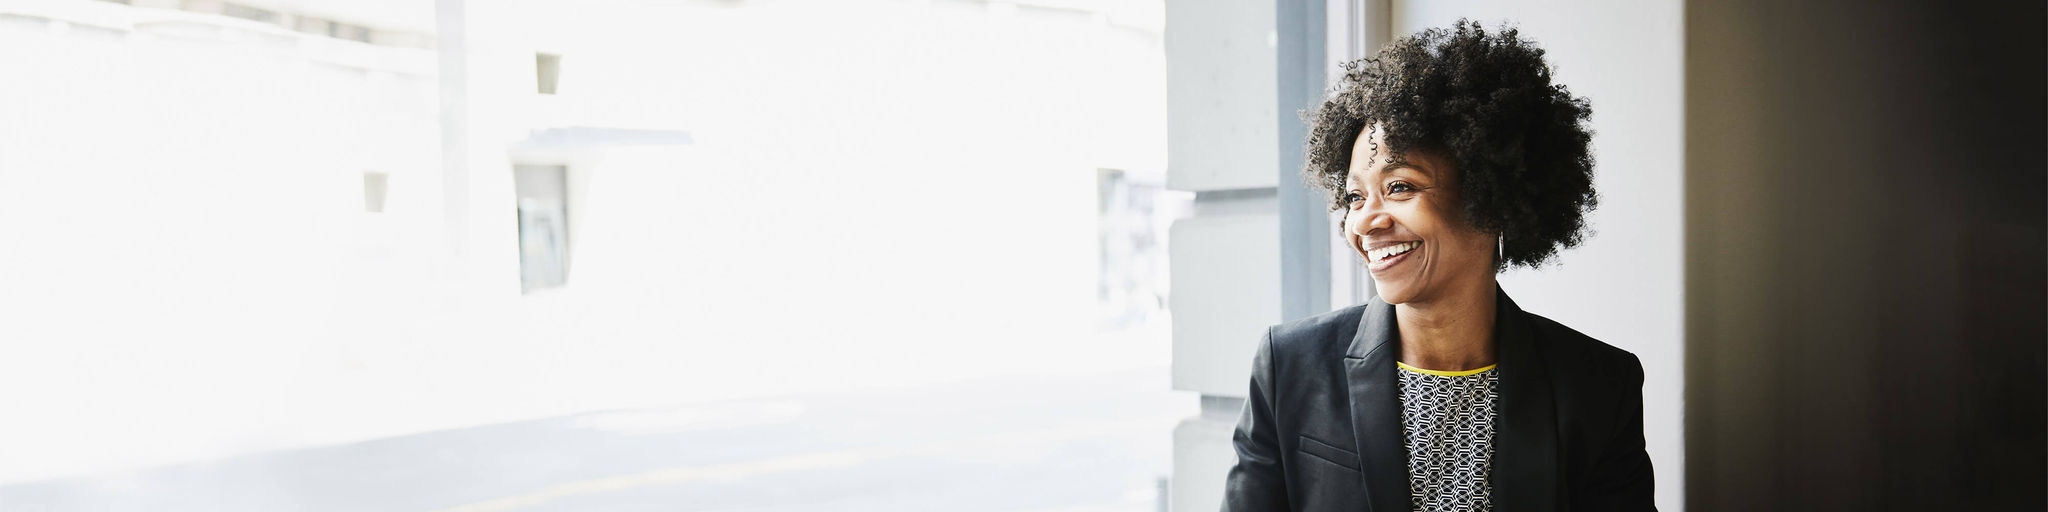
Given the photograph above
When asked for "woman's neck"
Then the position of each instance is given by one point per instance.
(1451, 333)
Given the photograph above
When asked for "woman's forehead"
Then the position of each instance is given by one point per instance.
(1370, 155)
(1370, 146)
(1373, 166)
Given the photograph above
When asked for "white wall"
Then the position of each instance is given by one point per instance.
(1625, 286)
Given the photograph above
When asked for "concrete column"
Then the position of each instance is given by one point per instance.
(485, 77)
(1256, 251)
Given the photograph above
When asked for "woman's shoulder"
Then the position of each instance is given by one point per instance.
(1318, 335)
(1571, 353)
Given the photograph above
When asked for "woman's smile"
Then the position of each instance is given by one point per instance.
(1389, 255)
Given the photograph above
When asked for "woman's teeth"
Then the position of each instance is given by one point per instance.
(1392, 250)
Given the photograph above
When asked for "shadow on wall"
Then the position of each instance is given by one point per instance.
(1865, 249)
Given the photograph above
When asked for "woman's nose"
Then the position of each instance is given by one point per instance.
(1379, 219)
(1371, 218)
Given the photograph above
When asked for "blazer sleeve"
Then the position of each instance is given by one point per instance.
(1623, 479)
(1255, 483)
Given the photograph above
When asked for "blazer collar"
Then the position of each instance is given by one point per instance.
(1525, 463)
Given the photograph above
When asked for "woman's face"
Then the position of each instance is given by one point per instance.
(1404, 219)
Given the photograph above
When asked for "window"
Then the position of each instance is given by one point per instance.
(547, 68)
(373, 191)
(543, 226)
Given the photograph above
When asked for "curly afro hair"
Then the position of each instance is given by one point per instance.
(1485, 102)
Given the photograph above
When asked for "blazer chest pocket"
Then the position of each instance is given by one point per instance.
(1328, 453)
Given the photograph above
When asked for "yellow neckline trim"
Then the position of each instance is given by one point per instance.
(1442, 373)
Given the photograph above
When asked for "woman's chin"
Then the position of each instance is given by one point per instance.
(1393, 293)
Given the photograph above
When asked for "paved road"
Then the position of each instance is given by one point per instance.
(1057, 443)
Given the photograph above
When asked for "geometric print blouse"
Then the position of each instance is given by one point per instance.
(1448, 420)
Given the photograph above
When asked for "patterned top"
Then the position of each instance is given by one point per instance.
(1448, 420)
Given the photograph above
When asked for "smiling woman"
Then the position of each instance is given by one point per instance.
(1479, 103)
(1453, 157)
(1394, 205)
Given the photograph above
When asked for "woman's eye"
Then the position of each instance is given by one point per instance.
(1399, 187)
(1353, 198)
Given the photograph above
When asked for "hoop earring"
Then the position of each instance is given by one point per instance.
(1500, 248)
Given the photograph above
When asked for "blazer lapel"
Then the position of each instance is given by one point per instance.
(1525, 461)
(1376, 409)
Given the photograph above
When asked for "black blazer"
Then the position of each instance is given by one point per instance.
(1321, 429)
